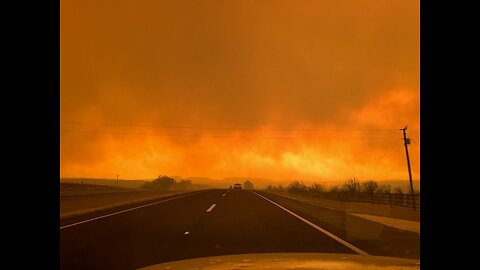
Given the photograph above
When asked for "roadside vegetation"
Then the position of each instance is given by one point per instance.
(353, 190)
(248, 185)
(167, 183)
(69, 189)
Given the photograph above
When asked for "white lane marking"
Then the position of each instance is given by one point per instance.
(123, 211)
(340, 240)
(211, 208)
(187, 232)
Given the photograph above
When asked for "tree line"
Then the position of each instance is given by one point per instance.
(351, 186)
(167, 183)
(164, 182)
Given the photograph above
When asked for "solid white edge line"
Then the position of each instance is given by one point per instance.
(340, 240)
(211, 208)
(123, 211)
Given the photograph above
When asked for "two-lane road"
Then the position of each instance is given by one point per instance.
(208, 223)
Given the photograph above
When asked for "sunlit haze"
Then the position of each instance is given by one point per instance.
(283, 90)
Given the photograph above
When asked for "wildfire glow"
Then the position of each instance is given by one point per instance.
(309, 90)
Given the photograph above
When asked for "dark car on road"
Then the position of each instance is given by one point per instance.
(237, 186)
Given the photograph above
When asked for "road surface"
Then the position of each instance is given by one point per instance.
(221, 222)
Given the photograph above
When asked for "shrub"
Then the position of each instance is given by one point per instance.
(352, 186)
(168, 183)
(385, 188)
(370, 186)
(316, 188)
(297, 187)
(248, 185)
(397, 190)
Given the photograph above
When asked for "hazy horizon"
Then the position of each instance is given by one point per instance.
(258, 182)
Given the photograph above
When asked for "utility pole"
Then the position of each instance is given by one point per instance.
(117, 179)
(406, 142)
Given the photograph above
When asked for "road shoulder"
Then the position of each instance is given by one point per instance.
(396, 212)
(372, 236)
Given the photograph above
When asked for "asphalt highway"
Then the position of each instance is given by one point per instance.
(221, 222)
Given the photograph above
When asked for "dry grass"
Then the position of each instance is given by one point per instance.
(73, 189)
(77, 199)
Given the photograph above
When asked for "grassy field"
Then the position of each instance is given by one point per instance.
(133, 184)
(79, 199)
(71, 189)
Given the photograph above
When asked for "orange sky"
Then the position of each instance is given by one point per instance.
(308, 90)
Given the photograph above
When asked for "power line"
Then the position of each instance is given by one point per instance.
(414, 142)
(222, 136)
(224, 128)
